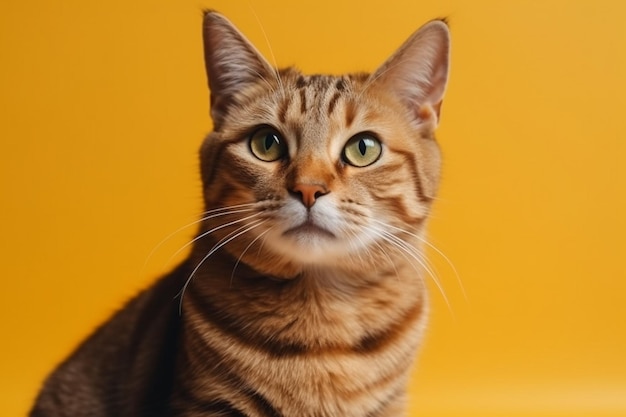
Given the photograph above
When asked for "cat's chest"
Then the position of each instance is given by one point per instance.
(349, 382)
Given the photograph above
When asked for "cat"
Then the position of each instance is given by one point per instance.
(304, 292)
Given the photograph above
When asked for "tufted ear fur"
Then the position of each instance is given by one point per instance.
(232, 62)
(417, 72)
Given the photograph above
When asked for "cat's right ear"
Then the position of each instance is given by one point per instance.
(417, 73)
(232, 62)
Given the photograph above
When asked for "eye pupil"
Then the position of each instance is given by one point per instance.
(270, 140)
(362, 147)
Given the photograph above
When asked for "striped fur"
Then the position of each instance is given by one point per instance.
(303, 294)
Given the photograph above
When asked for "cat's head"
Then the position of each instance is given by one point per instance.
(320, 170)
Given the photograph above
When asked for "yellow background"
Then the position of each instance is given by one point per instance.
(103, 106)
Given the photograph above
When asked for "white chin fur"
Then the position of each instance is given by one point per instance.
(308, 248)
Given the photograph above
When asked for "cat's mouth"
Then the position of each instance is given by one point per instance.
(309, 228)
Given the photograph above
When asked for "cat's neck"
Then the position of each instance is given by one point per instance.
(319, 307)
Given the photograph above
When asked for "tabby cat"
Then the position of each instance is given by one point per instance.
(303, 294)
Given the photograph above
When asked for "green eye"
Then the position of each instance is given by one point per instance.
(267, 144)
(362, 150)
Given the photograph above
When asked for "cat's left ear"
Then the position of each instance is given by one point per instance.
(417, 72)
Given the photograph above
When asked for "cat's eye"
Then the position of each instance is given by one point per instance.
(362, 150)
(267, 144)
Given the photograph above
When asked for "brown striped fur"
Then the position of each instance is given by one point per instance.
(303, 295)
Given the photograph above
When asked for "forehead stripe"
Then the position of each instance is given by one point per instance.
(333, 102)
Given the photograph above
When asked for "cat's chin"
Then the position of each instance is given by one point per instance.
(308, 231)
(307, 243)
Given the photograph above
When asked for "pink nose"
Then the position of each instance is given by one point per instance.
(309, 193)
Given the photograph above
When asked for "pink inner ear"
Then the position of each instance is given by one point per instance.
(429, 112)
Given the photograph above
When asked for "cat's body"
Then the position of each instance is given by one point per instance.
(302, 295)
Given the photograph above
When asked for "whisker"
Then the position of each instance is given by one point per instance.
(384, 252)
(232, 275)
(408, 250)
(354, 248)
(204, 216)
(265, 80)
(433, 276)
(269, 46)
(433, 247)
(236, 206)
(208, 232)
(418, 254)
(233, 235)
(262, 245)
(369, 250)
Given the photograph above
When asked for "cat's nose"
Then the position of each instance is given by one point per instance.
(309, 193)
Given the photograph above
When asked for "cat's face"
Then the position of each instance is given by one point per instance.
(320, 170)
